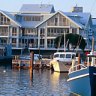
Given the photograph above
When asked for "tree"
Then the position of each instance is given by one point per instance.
(73, 39)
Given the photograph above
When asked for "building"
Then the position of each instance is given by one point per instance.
(37, 25)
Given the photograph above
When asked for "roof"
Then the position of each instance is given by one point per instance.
(29, 24)
(37, 8)
(80, 18)
(10, 16)
(63, 15)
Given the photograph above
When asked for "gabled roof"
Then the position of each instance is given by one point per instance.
(80, 18)
(37, 8)
(76, 23)
(11, 17)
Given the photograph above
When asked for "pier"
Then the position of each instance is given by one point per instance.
(22, 63)
(26, 62)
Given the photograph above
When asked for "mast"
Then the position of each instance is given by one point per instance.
(92, 43)
(64, 42)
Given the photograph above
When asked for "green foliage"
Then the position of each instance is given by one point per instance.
(73, 39)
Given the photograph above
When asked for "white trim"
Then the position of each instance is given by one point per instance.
(4, 25)
(77, 77)
(58, 26)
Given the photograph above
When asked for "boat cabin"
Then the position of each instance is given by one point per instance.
(91, 59)
(64, 56)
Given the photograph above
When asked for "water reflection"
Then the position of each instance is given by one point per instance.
(43, 83)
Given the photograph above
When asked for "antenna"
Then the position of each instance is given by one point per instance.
(41, 3)
(76, 5)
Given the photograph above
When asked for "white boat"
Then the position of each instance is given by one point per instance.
(82, 78)
(62, 61)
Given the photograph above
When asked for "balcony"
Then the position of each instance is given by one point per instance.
(3, 33)
(50, 45)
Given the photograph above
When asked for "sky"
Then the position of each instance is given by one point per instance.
(63, 5)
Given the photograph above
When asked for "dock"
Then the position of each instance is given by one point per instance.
(22, 63)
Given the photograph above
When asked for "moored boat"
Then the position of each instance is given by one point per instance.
(82, 78)
(62, 61)
(6, 56)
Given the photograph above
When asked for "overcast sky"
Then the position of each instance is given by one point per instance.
(64, 5)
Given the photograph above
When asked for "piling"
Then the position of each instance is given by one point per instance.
(79, 61)
(31, 65)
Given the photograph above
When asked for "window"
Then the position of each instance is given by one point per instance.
(32, 18)
(68, 55)
(62, 55)
(13, 40)
(56, 20)
(42, 31)
(14, 31)
(56, 55)
(74, 30)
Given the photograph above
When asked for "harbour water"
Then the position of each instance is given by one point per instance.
(43, 83)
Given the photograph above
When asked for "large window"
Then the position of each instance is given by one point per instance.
(32, 18)
(29, 32)
(74, 30)
(51, 32)
(14, 31)
(42, 32)
(4, 31)
(50, 43)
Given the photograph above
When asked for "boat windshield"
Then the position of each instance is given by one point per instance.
(68, 55)
(62, 55)
(56, 55)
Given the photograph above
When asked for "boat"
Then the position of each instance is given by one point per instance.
(62, 61)
(6, 55)
(82, 77)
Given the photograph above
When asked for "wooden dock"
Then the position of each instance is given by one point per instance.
(18, 63)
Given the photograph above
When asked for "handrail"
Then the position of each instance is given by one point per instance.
(76, 67)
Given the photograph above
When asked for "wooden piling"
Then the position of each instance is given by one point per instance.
(79, 61)
(31, 65)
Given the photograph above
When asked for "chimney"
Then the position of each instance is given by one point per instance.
(77, 9)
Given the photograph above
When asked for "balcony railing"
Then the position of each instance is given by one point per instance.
(3, 33)
(50, 45)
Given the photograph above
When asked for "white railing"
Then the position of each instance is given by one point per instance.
(76, 67)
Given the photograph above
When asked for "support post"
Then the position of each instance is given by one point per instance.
(31, 65)
(79, 61)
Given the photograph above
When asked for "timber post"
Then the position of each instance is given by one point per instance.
(31, 65)
(79, 61)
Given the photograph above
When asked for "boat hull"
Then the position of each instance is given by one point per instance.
(83, 81)
(59, 66)
(6, 61)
